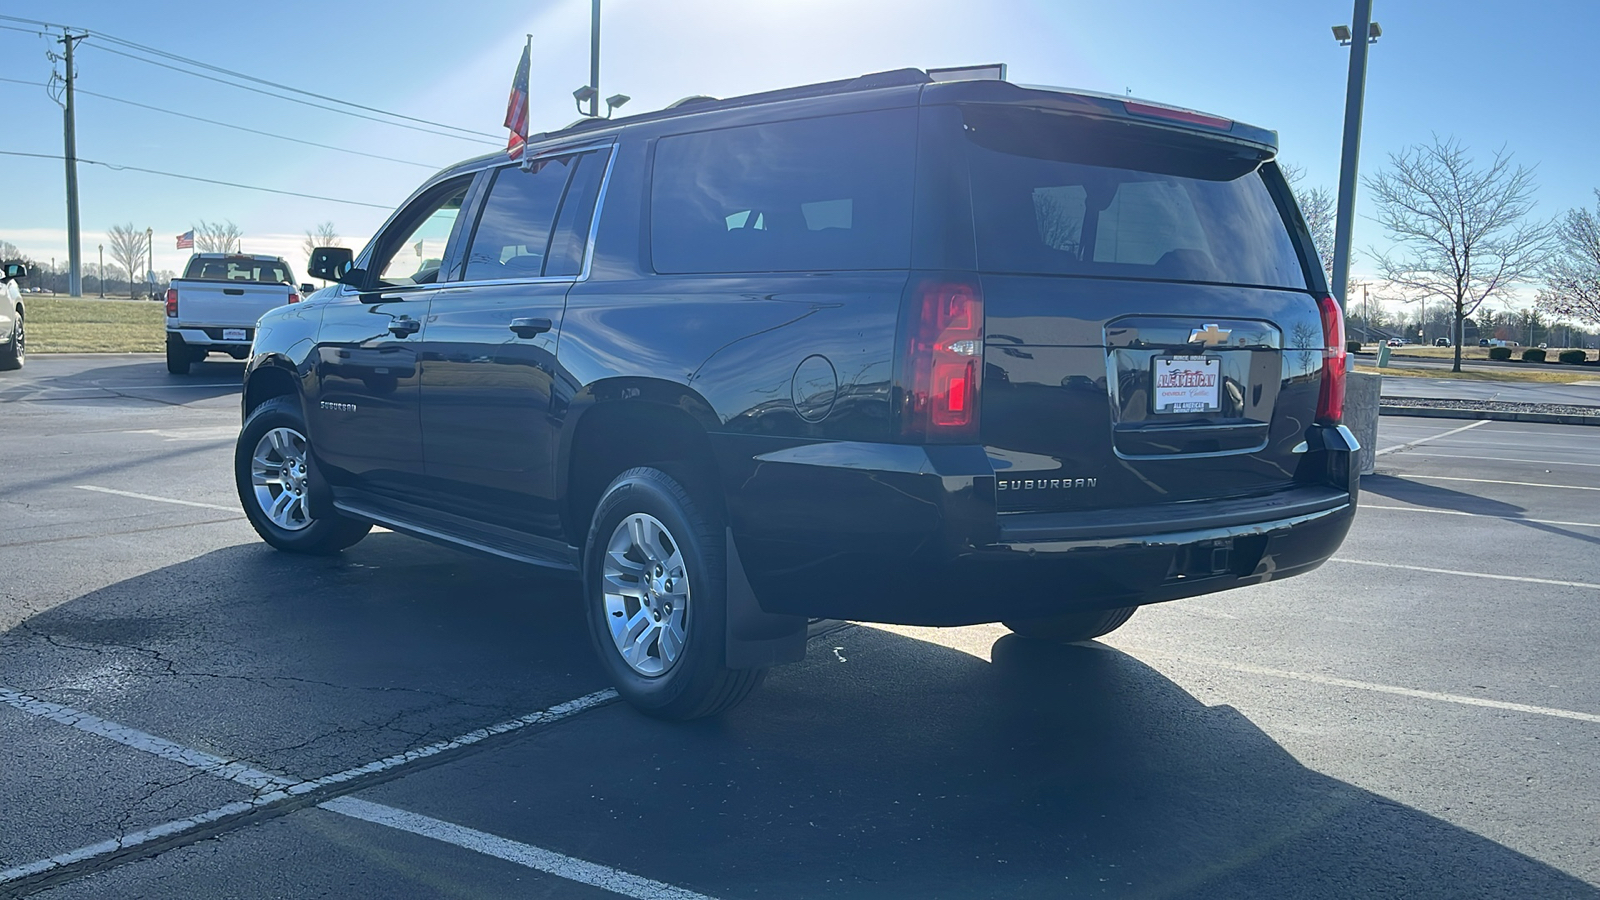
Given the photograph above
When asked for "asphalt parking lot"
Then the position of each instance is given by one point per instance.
(185, 712)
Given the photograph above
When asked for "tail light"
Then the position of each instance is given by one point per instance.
(1330, 403)
(172, 303)
(941, 369)
(293, 297)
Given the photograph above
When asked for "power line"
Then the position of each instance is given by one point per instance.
(246, 87)
(233, 184)
(281, 137)
(282, 87)
(197, 63)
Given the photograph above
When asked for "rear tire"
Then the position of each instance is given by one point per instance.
(15, 353)
(1072, 627)
(179, 356)
(655, 592)
(273, 479)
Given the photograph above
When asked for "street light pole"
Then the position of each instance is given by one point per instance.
(1355, 92)
(102, 271)
(150, 258)
(594, 59)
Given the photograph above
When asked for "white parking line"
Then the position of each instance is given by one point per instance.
(1374, 687)
(1456, 512)
(1522, 578)
(106, 490)
(1423, 440)
(210, 763)
(558, 864)
(272, 789)
(1559, 487)
(1527, 462)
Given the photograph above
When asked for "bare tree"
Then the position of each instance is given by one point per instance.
(324, 236)
(1572, 279)
(1461, 233)
(128, 246)
(1317, 205)
(9, 251)
(217, 237)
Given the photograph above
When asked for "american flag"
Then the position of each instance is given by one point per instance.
(517, 107)
(186, 240)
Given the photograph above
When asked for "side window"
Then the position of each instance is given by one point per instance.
(413, 254)
(571, 238)
(830, 193)
(513, 233)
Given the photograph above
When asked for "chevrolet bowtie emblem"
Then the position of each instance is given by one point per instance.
(1210, 334)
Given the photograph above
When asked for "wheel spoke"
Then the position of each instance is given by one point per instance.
(616, 585)
(638, 653)
(260, 461)
(280, 508)
(267, 477)
(672, 637)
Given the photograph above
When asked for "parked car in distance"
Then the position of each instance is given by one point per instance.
(1441, 342)
(1483, 342)
(884, 349)
(215, 305)
(13, 337)
(1396, 342)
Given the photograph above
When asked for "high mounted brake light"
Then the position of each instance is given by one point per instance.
(1186, 116)
(1330, 402)
(942, 362)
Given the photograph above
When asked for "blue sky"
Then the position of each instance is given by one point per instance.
(1521, 75)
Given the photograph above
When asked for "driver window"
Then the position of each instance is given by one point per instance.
(417, 258)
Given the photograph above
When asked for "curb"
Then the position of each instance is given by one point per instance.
(1426, 412)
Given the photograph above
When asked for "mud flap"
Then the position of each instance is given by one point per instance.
(757, 639)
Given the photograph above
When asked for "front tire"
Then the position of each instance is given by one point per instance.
(271, 469)
(655, 592)
(15, 353)
(1072, 627)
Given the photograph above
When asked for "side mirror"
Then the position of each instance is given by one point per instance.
(331, 264)
(14, 271)
(307, 289)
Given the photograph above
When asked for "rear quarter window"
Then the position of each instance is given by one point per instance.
(1053, 197)
(829, 193)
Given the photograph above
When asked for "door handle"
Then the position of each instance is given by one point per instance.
(527, 328)
(403, 326)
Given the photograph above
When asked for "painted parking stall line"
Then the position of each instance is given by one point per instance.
(154, 499)
(1378, 688)
(273, 792)
(1423, 440)
(1470, 515)
(1558, 487)
(1522, 578)
(547, 861)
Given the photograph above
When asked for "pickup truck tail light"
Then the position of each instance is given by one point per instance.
(294, 297)
(941, 364)
(172, 303)
(1330, 402)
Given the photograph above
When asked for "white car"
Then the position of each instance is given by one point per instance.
(13, 340)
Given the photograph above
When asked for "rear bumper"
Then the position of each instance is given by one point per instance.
(911, 535)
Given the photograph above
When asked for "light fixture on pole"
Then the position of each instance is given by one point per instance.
(614, 101)
(585, 94)
(1355, 92)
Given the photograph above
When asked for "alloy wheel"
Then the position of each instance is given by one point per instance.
(278, 474)
(646, 594)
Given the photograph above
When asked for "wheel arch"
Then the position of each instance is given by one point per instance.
(617, 424)
(268, 377)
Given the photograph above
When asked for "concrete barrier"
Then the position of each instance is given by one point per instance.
(1361, 392)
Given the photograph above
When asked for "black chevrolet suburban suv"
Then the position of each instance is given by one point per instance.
(887, 349)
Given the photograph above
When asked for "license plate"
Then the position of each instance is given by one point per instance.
(235, 334)
(1186, 384)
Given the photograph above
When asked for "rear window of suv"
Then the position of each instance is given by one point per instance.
(829, 193)
(1055, 196)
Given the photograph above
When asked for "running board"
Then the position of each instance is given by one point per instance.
(506, 544)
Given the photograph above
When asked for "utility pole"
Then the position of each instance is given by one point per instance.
(150, 258)
(102, 271)
(594, 59)
(74, 256)
(1355, 91)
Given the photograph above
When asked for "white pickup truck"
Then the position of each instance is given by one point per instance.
(215, 305)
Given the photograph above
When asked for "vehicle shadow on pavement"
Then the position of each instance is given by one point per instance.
(881, 766)
(1405, 490)
(887, 766)
(146, 379)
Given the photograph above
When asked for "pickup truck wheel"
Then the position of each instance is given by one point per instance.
(656, 596)
(270, 467)
(1067, 628)
(179, 357)
(14, 354)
